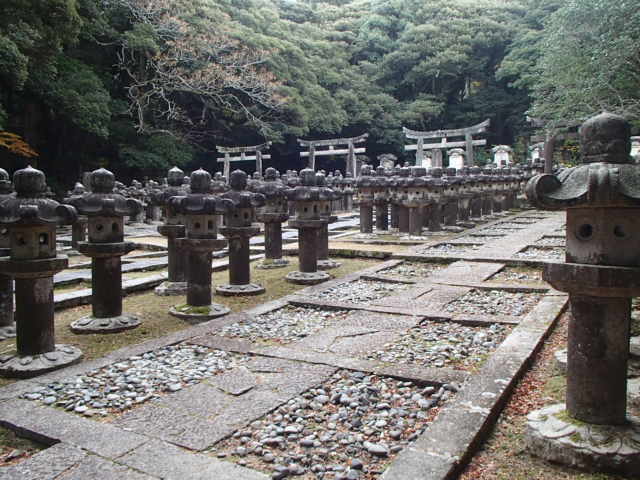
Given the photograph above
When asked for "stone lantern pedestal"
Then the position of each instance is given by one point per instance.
(199, 210)
(7, 324)
(31, 220)
(306, 199)
(601, 274)
(327, 196)
(105, 211)
(366, 186)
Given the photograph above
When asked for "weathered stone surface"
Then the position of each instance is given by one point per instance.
(48, 464)
(92, 466)
(167, 461)
(235, 381)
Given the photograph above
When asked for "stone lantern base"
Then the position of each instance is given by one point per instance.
(269, 263)
(307, 278)
(91, 324)
(194, 314)
(166, 289)
(553, 435)
(230, 289)
(328, 264)
(16, 366)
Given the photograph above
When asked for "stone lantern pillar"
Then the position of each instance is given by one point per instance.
(451, 198)
(173, 229)
(601, 275)
(105, 211)
(381, 201)
(306, 199)
(477, 188)
(7, 325)
(489, 191)
(392, 189)
(327, 196)
(465, 195)
(272, 214)
(31, 220)
(401, 195)
(198, 210)
(456, 158)
(239, 227)
(366, 186)
(348, 191)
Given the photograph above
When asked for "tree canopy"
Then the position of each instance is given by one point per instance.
(140, 85)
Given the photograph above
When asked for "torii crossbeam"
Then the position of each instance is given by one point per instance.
(331, 144)
(255, 154)
(444, 144)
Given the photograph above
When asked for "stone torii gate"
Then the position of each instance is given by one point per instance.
(350, 150)
(436, 159)
(255, 154)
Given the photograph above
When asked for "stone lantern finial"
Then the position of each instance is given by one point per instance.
(175, 177)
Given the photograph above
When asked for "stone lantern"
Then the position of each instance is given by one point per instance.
(308, 220)
(601, 275)
(451, 198)
(199, 209)
(31, 220)
(436, 187)
(400, 186)
(348, 190)
(239, 227)
(327, 196)
(489, 191)
(381, 201)
(416, 199)
(7, 325)
(366, 186)
(502, 155)
(635, 149)
(456, 158)
(105, 211)
(173, 229)
(272, 214)
(465, 196)
(79, 227)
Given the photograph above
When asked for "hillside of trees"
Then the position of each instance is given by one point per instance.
(140, 85)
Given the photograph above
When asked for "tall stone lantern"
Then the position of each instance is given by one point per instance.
(306, 199)
(31, 220)
(7, 325)
(105, 211)
(601, 273)
(327, 197)
(239, 227)
(173, 229)
(366, 187)
(199, 210)
(273, 213)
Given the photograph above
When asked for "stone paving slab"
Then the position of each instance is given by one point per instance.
(169, 462)
(463, 271)
(47, 464)
(96, 467)
(49, 425)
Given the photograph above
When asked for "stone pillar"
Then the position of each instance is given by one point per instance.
(601, 274)
(105, 211)
(199, 209)
(7, 325)
(31, 220)
(272, 214)
(306, 198)
(79, 231)
(326, 196)
(239, 228)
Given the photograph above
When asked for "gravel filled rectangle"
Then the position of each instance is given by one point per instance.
(413, 270)
(362, 291)
(348, 428)
(551, 241)
(493, 302)
(517, 275)
(450, 249)
(542, 253)
(285, 325)
(443, 344)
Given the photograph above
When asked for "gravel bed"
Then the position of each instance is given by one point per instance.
(551, 241)
(518, 274)
(347, 429)
(284, 325)
(443, 344)
(493, 302)
(556, 253)
(479, 238)
(123, 385)
(449, 249)
(516, 225)
(362, 291)
(493, 230)
(413, 269)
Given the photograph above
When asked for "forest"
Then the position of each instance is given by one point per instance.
(138, 86)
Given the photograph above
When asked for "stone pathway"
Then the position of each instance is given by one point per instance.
(389, 373)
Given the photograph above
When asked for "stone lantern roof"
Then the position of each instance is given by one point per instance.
(29, 206)
(200, 201)
(102, 200)
(5, 183)
(239, 195)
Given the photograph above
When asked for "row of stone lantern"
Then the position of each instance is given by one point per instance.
(433, 198)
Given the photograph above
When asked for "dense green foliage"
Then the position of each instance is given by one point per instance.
(140, 85)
